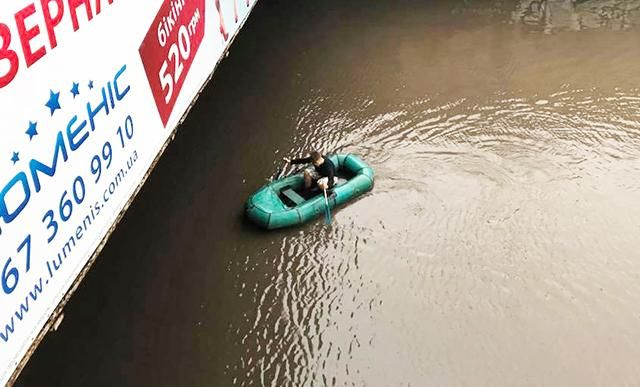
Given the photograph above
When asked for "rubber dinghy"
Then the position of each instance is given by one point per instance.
(284, 202)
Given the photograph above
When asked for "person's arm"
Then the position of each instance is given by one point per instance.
(330, 174)
(304, 160)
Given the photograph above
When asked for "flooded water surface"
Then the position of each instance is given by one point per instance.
(499, 246)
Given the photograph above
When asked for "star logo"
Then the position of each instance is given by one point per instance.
(53, 103)
(15, 157)
(32, 130)
(90, 85)
(75, 90)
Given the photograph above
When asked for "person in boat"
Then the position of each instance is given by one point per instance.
(323, 173)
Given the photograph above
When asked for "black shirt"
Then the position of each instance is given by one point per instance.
(326, 169)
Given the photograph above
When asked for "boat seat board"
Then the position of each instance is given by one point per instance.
(293, 196)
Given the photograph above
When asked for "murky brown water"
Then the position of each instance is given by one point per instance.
(499, 246)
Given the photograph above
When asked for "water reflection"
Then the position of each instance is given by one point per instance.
(550, 15)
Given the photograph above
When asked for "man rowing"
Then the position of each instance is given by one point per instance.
(323, 173)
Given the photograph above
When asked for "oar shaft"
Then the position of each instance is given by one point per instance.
(328, 209)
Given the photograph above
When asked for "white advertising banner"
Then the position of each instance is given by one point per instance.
(90, 91)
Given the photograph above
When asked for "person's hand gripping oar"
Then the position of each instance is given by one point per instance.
(280, 171)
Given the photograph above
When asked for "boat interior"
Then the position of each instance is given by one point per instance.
(295, 194)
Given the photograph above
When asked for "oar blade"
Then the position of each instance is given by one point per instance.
(327, 216)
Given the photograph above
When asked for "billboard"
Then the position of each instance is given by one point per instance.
(91, 91)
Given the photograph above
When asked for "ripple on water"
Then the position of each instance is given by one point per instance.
(488, 219)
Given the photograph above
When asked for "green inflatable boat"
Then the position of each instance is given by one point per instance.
(283, 202)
